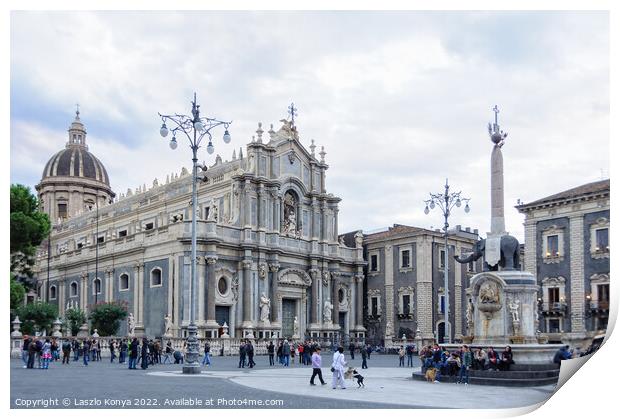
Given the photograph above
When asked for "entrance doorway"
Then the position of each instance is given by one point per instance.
(441, 332)
(289, 310)
(222, 314)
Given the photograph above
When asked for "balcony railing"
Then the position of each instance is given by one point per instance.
(599, 305)
(554, 307)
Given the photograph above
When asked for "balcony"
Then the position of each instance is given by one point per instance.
(554, 308)
(599, 306)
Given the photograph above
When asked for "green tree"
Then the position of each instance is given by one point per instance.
(75, 318)
(18, 291)
(38, 316)
(106, 317)
(29, 227)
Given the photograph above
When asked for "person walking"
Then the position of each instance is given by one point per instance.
(364, 355)
(76, 350)
(86, 351)
(46, 354)
(112, 350)
(32, 353)
(25, 345)
(123, 351)
(242, 355)
(206, 360)
(316, 367)
(466, 363)
(66, 352)
(133, 354)
(409, 352)
(401, 357)
(144, 353)
(352, 350)
(279, 353)
(286, 353)
(338, 365)
(168, 353)
(249, 349)
(270, 349)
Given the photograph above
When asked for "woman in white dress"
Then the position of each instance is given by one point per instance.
(338, 368)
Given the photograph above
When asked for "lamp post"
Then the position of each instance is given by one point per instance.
(446, 201)
(195, 128)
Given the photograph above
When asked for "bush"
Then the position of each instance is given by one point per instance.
(106, 317)
(37, 317)
(18, 291)
(75, 318)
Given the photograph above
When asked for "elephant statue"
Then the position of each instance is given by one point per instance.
(509, 261)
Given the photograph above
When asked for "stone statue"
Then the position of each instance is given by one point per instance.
(131, 325)
(359, 239)
(514, 310)
(341, 241)
(262, 271)
(389, 328)
(167, 325)
(327, 311)
(469, 314)
(264, 308)
(489, 293)
(213, 211)
(509, 254)
(289, 223)
(295, 327)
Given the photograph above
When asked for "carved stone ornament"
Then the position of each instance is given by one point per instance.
(489, 293)
(235, 287)
(326, 278)
(262, 271)
(294, 277)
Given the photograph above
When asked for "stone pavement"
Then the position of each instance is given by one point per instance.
(223, 385)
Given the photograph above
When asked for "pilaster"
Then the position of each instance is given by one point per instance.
(577, 275)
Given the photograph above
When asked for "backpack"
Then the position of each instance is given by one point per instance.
(39, 345)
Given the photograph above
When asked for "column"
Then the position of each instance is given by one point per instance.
(335, 300)
(84, 292)
(247, 293)
(211, 284)
(200, 276)
(136, 292)
(577, 275)
(359, 306)
(458, 313)
(314, 310)
(248, 205)
(273, 272)
(424, 281)
(260, 208)
(109, 285)
(530, 247)
(389, 290)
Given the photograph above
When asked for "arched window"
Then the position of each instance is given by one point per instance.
(53, 292)
(156, 277)
(123, 282)
(96, 286)
(73, 289)
(222, 286)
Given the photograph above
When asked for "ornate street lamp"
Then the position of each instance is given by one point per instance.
(446, 201)
(195, 128)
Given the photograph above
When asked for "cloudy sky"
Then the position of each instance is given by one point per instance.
(399, 100)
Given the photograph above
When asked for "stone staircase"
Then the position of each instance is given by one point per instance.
(520, 375)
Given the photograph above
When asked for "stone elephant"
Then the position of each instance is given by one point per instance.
(509, 249)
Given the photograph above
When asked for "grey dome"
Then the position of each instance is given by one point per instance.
(76, 161)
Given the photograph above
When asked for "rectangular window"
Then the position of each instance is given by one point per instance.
(375, 306)
(148, 226)
(62, 210)
(471, 267)
(602, 240)
(554, 325)
(100, 239)
(552, 246)
(406, 304)
(374, 263)
(80, 245)
(406, 259)
(442, 304)
(206, 213)
(603, 294)
(122, 233)
(442, 258)
(554, 295)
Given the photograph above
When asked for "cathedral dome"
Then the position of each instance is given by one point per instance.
(73, 180)
(75, 160)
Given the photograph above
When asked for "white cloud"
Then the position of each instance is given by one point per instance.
(399, 100)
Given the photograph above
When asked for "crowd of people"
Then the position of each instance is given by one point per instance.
(461, 361)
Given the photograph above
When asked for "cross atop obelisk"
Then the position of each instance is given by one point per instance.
(292, 111)
(498, 226)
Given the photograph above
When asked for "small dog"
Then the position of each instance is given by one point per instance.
(360, 378)
(348, 374)
(430, 375)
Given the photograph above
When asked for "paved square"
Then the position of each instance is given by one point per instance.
(223, 385)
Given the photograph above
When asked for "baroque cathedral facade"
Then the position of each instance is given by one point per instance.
(269, 262)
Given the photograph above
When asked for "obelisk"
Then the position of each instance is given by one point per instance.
(492, 254)
(498, 226)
